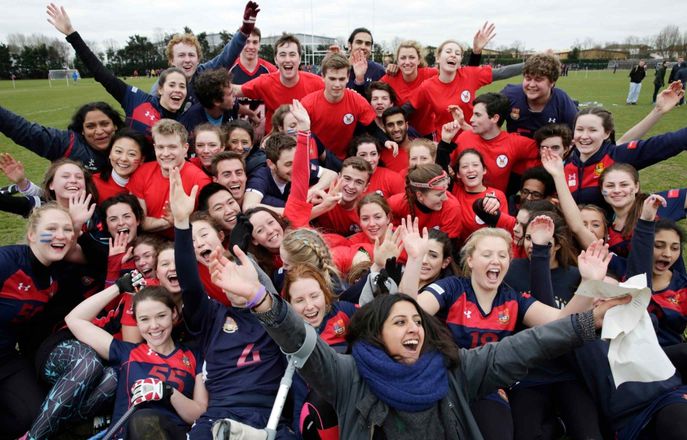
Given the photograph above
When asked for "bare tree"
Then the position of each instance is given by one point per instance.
(668, 41)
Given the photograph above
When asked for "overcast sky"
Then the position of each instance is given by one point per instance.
(538, 24)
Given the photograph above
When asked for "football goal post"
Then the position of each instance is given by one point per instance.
(65, 75)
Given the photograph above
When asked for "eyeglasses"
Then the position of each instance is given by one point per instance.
(534, 195)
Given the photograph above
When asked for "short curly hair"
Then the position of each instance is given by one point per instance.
(542, 64)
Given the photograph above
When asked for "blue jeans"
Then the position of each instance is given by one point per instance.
(633, 94)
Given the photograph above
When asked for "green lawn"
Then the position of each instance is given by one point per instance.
(53, 107)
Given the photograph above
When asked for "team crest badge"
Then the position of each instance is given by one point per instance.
(572, 180)
(502, 161)
(185, 361)
(465, 96)
(339, 328)
(598, 169)
(503, 317)
(348, 119)
(230, 325)
(515, 113)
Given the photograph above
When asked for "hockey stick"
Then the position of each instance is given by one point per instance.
(122, 420)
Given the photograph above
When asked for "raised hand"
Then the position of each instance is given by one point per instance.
(541, 230)
(670, 97)
(58, 17)
(250, 14)
(301, 114)
(390, 246)
(392, 69)
(651, 206)
(239, 280)
(131, 282)
(81, 209)
(393, 146)
(150, 389)
(491, 204)
(12, 168)
(449, 131)
(483, 36)
(458, 116)
(180, 204)
(119, 245)
(415, 243)
(593, 262)
(552, 163)
(359, 63)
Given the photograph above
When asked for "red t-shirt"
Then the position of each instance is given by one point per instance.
(149, 184)
(399, 163)
(108, 189)
(423, 122)
(448, 219)
(499, 154)
(340, 221)
(385, 182)
(434, 96)
(334, 123)
(269, 89)
(471, 222)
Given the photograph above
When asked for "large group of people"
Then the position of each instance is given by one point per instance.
(381, 225)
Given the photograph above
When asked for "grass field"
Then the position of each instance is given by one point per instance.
(54, 106)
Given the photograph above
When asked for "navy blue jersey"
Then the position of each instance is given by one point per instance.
(197, 115)
(470, 326)
(25, 287)
(375, 72)
(564, 280)
(334, 326)
(138, 361)
(669, 306)
(560, 109)
(241, 75)
(262, 182)
(583, 177)
(50, 143)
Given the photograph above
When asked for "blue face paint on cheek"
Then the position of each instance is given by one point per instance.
(604, 193)
(46, 237)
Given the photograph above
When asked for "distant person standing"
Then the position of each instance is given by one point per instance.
(676, 67)
(75, 76)
(681, 76)
(637, 75)
(659, 80)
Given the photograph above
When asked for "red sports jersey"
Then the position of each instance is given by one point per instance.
(399, 163)
(385, 182)
(340, 221)
(499, 154)
(334, 123)
(108, 189)
(423, 122)
(448, 219)
(434, 96)
(269, 89)
(149, 184)
(471, 222)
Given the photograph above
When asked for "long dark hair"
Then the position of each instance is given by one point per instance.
(144, 146)
(367, 322)
(80, 116)
(636, 208)
(263, 256)
(566, 254)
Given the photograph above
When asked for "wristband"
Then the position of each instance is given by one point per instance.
(258, 298)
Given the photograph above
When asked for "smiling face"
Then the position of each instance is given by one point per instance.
(380, 100)
(368, 151)
(666, 251)
(155, 321)
(532, 189)
(619, 189)
(537, 88)
(353, 184)
(145, 260)
(205, 240)
(166, 271)
(125, 156)
(185, 57)
(450, 57)
(267, 232)
(208, 145)
(335, 84)
(68, 181)
(232, 175)
(589, 135)
(433, 199)
(173, 92)
(120, 219)
(239, 141)
(308, 301)
(224, 208)
(362, 42)
(489, 263)
(374, 221)
(250, 50)
(471, 171)
(396, 128)
(169, 152)
(521, 221)
(51, 238)
(433, 262)
(98, 128)
(403, 334)
(287, 60)
(595, 222)
(408, 61)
